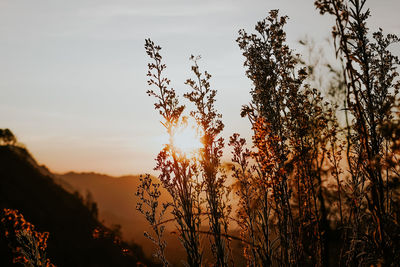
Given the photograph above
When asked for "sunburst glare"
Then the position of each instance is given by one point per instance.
(186, 139)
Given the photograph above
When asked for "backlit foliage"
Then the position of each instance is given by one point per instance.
(28, 245)
(320, 183)
(196, 182)
(370, 75)
(179, 175)
(210, 124)
(7, 137)
(292, 127)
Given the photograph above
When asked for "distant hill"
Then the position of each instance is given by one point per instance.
(30, 188)
(116, 200)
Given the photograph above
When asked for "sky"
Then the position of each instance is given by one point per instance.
(73, 73)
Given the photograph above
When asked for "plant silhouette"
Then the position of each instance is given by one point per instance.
(319, 183)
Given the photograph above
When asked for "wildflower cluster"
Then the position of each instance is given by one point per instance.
(28, 245)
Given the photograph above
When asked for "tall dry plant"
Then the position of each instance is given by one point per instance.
(254, 209)
(309, 178)
(196, 183)
(292, 127)
(149, 194)
(370, 75)
(178, 173)
(211, 126)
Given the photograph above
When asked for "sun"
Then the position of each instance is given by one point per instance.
(187, 140)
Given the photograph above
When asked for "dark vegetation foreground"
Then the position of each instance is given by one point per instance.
(72, 240)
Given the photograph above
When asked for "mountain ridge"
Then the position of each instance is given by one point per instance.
(116, 200)
(31, 189)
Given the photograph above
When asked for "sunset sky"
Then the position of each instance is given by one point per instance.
(73, 73)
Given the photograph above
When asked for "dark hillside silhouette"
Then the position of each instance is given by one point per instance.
(116, 206)
(24, 187)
